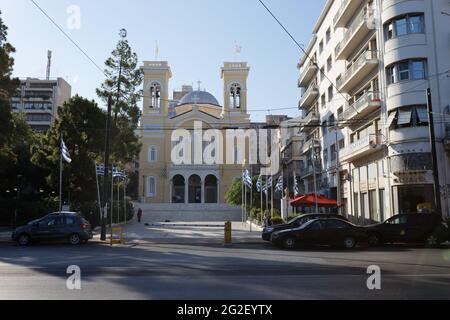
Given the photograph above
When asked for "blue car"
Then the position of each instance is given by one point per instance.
(65, 226)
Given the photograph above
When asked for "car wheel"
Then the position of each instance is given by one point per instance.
(289, 243)
(74, 239)
(374, 240)
(24, 240)
(349, 243)
(432, 241)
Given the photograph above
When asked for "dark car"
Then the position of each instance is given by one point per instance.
(424, 228)
(297, 222)
(69, 227)
(330, 232)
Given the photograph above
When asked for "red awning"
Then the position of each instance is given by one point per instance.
(309, 200)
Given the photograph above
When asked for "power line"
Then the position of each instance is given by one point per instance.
(68, 37)
(303, 50)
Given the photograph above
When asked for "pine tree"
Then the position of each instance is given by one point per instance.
(124, 79)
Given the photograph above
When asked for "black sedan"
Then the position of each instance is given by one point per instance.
(297, 222)
(424, 228)
(330, 232)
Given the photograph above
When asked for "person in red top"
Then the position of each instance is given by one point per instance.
(139, 215)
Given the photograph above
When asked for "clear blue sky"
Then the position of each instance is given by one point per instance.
(194, 36)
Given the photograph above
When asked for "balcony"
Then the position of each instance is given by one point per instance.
(307, 73)
(345, 12)
(310, 121)
(361, 148)
(309, 96)
(366, 104)
(309, 171)
(358, 71)
(355, 34)
(309, 145)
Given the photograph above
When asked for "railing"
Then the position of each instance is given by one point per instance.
(362, 60)
(311, 143)
(340, 11)
(363, 17)
(359, 105)
(310, 117)
(305, 69)
(372, 140)
(311, 88)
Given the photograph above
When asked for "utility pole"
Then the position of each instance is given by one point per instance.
(338, 172)
(106, 173)
(437, 188)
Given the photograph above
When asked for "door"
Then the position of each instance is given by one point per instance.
(335, 232)
(44, 229)
(313, 233)
(395, 229)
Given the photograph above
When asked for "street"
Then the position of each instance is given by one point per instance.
(210, 271)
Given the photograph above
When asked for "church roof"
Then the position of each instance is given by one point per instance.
(199, 97)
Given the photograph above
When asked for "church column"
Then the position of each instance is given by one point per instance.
(218, 191)
(171, 191)
(186, 190)
(203, 190)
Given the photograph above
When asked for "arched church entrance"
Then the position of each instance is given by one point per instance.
(195, 189)
(178, 187)
(211, 192)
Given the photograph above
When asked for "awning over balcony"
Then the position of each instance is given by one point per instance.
(309, 200)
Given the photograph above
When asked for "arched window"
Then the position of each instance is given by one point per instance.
(155, 95)
(151, 187)
(235, 96)
(152, 154)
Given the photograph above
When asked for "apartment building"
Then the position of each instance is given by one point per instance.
(364, 106)
(39, 99)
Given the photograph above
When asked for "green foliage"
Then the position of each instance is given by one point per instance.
(234, 195)
(27, 210)
(277, 220)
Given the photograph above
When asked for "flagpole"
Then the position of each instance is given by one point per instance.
(118, 202)
(98, 192)
(261, 196)
(112, 202)
(60, 174)
(251, 197)
(125, 201)
(242, 196)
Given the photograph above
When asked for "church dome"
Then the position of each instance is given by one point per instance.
(199, 97)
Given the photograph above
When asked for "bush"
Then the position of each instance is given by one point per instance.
(27, 210)
(277, 220)
(91, 212)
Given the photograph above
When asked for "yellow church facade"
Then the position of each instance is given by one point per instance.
(161, 180)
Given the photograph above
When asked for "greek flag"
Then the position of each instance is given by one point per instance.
(296, 187)
(280, 184)
(268, 185)
(119, 174)
(100, 169)
(247, 179)
(259, 185)
(65, 152)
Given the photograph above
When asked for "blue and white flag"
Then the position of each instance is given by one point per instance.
(247, 179)
(280, 185)
(268, 185)
(119, 174)
(259, 185)
(65, 152)
(100, 169)
(296, 186)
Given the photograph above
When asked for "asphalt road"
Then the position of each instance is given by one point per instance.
(246, 271)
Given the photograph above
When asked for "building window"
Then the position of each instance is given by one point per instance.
(410, 116)
(333, 152)
(325, 158)
(152, 154)
(341, 144)
(323, 101)
(407, 70)
(404, 25)
(329, 63)
(330, 93)
(321, 46)
(151, 187)
(328, 35)
(155, 95)
(235, 96)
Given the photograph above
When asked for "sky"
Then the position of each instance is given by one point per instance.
(194, 36)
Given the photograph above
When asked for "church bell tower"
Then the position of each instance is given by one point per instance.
(235, 75)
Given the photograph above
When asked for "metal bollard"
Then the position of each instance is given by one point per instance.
(228, 233)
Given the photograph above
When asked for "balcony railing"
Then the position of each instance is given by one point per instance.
(361, 147)
(364, 59)
(309, 120)
(310, 144)
(363, 17)
(307, 73)
(370, 100)
(309, 94)
(345, 12)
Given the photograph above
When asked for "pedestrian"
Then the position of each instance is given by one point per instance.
(139, 215)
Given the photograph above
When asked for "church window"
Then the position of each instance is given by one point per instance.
(155, 95)
(235, 96)
(151, 187)
(152, 154)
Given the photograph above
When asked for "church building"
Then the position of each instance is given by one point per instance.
(160, 180)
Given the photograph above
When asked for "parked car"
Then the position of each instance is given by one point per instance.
(425, 228)
(70, 227)
(297, 222)
(331, 232)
